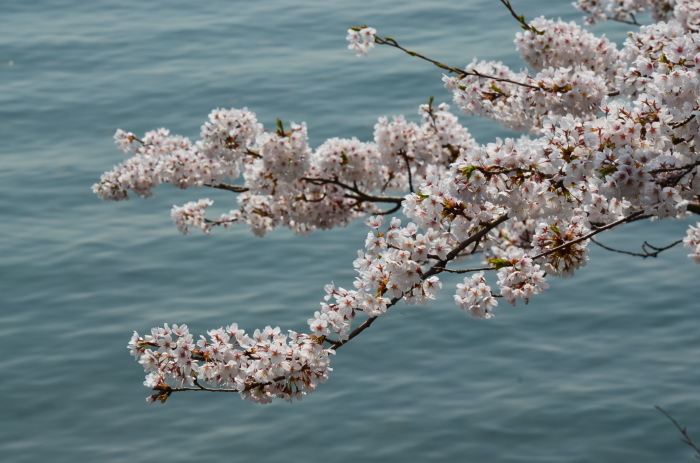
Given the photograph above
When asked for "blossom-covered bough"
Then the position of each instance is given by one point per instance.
(611, 139)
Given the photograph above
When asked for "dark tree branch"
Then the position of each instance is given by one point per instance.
(686, 437)
(645, 247)
(360, 196)
(675, 125)
(393, 43)
(630, 218)
(390, 211)
(467, 270)
(226, 186)
(408, 169)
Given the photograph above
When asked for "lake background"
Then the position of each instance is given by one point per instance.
(572, 377)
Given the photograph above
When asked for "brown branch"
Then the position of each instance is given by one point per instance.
(468, 270)
(226, 186)
(688, 167)
(359, 195)
(408, 169)
(633, 22)
(645, 245)
(630, 218)
(675, 125)
(390, 211)
(393, 43)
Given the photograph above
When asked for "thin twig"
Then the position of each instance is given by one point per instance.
(521, 18)
(633, 22)
(467, 270)
(408, 169)
(629, 218)
(393, 43)
(686, 437)
(645, 245)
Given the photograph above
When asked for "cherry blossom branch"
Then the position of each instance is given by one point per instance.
(169, 390)
(434, 270)
(634, 216)
(164, 390)
(686, 439)
(536, 178)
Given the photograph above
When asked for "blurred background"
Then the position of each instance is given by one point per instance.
(572, 377)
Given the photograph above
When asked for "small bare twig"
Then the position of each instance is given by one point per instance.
(393, 43)
(645, 247)
(521, 19)
(408, 169)
(686, 437)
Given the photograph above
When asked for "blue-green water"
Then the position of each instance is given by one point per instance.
(572, 377)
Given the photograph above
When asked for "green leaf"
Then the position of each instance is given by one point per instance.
(468, 171)
(280, 126)
(499, 263)
(606, 171)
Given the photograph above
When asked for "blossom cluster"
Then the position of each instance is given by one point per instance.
(475, 296)
(284, 181)
(278, 365)
(692, 242)
(361, 40)
(519, 101)
(566, 45)
(624, 10)
(612, 139)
